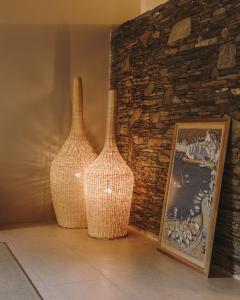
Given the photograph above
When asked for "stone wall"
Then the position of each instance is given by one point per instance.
(179, 61)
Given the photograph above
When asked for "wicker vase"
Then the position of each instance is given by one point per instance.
(67, 169)
(108, 186)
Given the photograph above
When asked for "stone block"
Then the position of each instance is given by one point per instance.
(135, 115)
(125, 65)
(176, 100)
(170, 51)
(144, 37)
(142, 190)
(235, 92)
(164, 158)
(224, 33)
(219, 11)
(236, 115)
(168, 96)
(164, 72)
(237, 39)
(207, 42)
(222, 90)
(156, 34)
(155, 117)
(123, 130)
(148, 91)
(235, 131)
(187, 47)
(227, 57)
(236, 170)
(154, 142)
(138, 140)
(180, 30)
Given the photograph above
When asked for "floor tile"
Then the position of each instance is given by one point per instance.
(94, 290)
(19, 294)
(67, 264)
(14, 284)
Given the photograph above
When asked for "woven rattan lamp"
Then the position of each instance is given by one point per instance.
(108, 185)
(67, 169)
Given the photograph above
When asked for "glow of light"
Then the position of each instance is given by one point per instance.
(78, 174)
(108, 190)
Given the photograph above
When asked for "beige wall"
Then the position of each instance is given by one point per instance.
(146, 5)
(38, 63)
(67, 11)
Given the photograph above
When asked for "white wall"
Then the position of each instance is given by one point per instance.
(146, 5)
(38, 63)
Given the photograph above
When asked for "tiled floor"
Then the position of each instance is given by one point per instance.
(13, 280)
(67, 265)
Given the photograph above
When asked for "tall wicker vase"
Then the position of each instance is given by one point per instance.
(67, 169)
(108, 186)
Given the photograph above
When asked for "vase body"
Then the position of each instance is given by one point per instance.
(68, 167)
(108, 187)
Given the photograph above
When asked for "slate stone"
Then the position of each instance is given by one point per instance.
(135, 115)
(125, 66)
(148, 91)
(180, 30)
(144, 37)
(236, 91)
(207, 42)
(225, 33)
(227, 57)
(219, 11)
(156, 34)
(168, 96)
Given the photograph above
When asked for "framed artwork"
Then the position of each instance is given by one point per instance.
(193, 190)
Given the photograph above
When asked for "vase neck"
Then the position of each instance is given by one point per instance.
(77, 107)
(110, 139)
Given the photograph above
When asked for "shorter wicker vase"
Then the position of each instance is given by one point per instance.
(67, 169)
(108, 187)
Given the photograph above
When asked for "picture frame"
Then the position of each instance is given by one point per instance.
(193, 190)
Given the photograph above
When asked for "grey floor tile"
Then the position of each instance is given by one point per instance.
(92, 290)
(67, 265)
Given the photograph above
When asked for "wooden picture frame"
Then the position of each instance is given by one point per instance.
(192, 191)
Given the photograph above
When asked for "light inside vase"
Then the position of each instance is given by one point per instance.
(108, 190)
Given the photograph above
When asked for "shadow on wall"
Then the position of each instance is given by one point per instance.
(35, 117)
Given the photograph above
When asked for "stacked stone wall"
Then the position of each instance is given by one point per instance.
(179, 61)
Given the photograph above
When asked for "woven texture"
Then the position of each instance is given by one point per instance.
(108, 187)
(67, 169)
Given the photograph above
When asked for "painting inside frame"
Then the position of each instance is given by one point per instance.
(192, 192)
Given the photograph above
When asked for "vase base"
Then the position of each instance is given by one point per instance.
(108, 239)
(71, 226)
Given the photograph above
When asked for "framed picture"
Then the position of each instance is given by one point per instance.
(192, 191)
